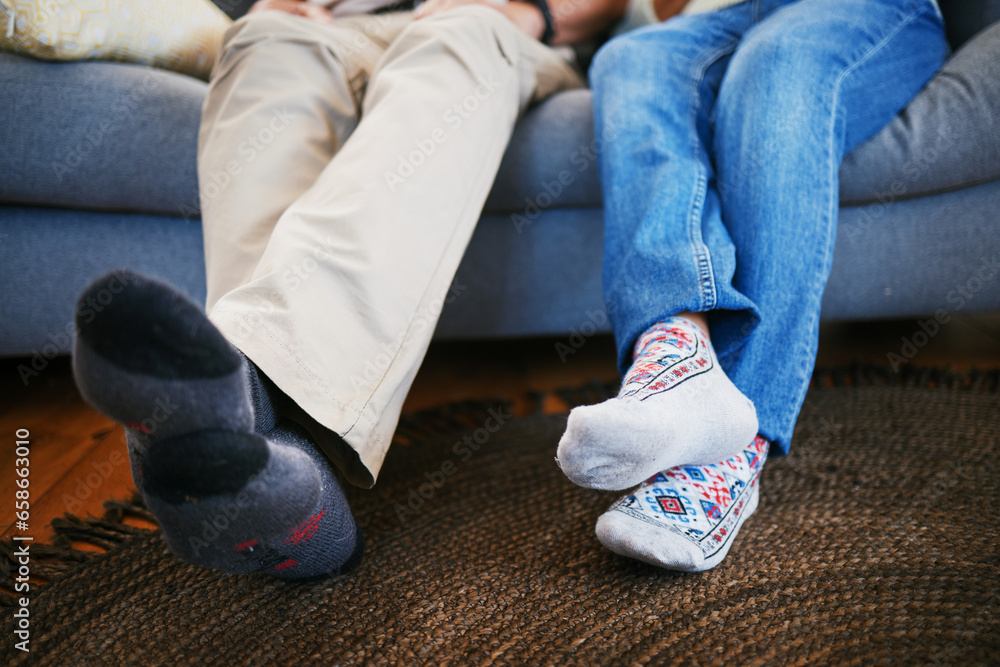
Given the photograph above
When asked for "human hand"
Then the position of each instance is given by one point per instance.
(525, 16)
(296, 7)
(438, 6)
(666, 9)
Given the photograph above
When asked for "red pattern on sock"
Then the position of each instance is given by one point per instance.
(139, 427)
(305, 530)
(242, 546)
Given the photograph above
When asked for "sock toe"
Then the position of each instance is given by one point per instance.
(209, 530)
(148, 357)
(632, 538)
(686, 518)
(676, 407)
(594, 449)
(620, 443)
(579, 453)
(607, 446)
(330, 542)
(147, 327)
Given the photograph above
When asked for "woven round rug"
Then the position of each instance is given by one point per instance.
(875, 542)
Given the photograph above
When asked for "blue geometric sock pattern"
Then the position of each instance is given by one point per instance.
(690, 514)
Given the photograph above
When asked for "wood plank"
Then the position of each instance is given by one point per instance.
(74, 449)
(101, 473)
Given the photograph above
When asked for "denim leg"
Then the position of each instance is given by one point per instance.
(665, 247)
(806, 84)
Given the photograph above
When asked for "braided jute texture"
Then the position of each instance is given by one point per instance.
(875, 543)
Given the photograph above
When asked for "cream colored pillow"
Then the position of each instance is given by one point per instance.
(181, 35)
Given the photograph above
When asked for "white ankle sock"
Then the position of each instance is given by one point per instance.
(676, 407)
(686, 518)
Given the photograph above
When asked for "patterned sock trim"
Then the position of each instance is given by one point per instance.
(667, 354)
(702, 504)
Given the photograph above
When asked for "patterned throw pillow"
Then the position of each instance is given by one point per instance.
(181, 35)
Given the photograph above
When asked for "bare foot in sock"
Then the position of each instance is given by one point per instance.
(676, 406)
(686, 518)
(226, 497)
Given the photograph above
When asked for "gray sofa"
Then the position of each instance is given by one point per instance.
(97, 170)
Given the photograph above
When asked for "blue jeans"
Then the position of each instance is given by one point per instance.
(725, 132)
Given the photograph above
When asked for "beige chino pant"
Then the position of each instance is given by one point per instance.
(342, 171)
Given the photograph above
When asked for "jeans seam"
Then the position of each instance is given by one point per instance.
(701, 256)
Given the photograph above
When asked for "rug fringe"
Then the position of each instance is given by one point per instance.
(61, 557)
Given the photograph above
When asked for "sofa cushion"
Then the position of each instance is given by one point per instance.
(117, 137)
(98, 135)
(947, 138)
(551, 159)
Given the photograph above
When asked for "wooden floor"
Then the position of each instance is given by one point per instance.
(78, 456)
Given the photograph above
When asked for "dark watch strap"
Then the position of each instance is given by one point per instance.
(550, 27)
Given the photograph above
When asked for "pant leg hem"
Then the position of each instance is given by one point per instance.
(355, 428)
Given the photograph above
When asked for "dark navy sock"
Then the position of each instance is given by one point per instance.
(232, 487)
